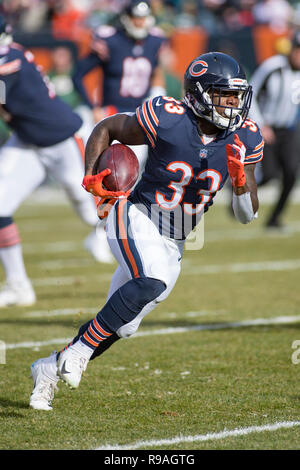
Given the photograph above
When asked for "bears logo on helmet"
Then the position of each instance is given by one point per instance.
(200, 71)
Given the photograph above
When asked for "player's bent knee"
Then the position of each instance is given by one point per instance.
(143, 290)
(129, 300)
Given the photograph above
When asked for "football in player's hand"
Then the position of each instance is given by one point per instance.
(124, 166)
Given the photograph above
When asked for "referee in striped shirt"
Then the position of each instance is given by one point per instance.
(275, 107)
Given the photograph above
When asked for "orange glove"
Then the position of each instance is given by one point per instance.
(235, 162)
(94, 184)
(104, 206)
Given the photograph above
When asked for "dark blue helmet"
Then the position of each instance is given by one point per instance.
(137, 9)
(206, 78)
(5, 32)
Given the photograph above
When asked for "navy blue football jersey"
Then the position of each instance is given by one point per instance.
(127, 65)
(182, 173)
(38, 116)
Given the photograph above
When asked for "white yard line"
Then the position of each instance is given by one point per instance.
(282, 265)
(221, 326)
(166, 331)
(56, 264)
(69, 280)
(51, 247)
(203, 437)
(83, 310)
(38, 344)
(61, 312)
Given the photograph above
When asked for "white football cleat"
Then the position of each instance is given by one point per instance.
(96, 243)
(17, 293)
(70, 366)
(45, 378)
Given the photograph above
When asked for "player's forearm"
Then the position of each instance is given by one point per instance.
(107, 130)
(98, 141)
(121, 127)
(253, 195)
(245, 199)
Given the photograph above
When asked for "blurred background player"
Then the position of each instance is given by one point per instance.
(129, 55)
(43, 142)
(275, 107)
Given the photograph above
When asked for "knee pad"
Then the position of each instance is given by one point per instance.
(129, 300)
(139, 292)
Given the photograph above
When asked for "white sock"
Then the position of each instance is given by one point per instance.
(11, 258)
(83, 349)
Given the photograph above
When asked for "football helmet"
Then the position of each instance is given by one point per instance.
(5, 33)
(206, 78)
(137, 9)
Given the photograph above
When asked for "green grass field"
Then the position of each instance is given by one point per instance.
(200, 365)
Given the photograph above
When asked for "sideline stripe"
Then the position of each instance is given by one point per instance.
(203, 437)
(166, 331)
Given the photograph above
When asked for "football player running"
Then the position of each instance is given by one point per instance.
(194, 145)
(130, 58)
(43, 142)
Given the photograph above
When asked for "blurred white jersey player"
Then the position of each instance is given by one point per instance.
(43, 142)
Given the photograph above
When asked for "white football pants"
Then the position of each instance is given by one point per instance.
(24, 167)
(140, 251)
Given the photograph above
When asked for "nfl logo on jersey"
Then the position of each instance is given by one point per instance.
(203, 153)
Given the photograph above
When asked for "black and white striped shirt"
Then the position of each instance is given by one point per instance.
(276, 93)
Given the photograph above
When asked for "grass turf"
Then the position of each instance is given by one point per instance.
(159, 386)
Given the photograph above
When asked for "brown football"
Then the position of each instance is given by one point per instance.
(124, 166)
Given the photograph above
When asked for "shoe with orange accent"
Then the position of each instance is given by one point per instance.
(45, 378)
(70, 366)
(17, 293)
